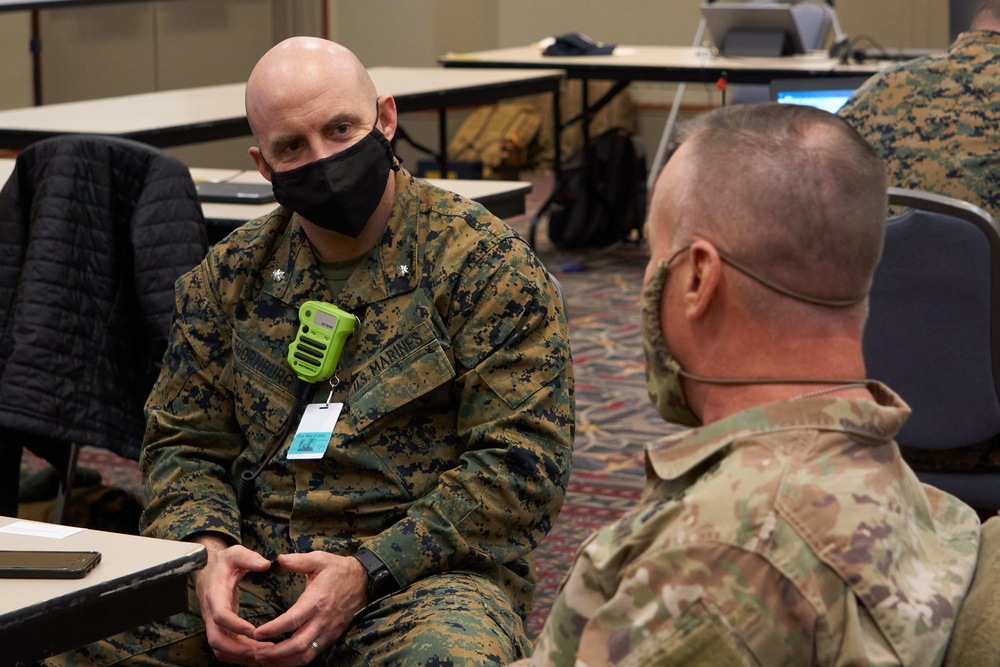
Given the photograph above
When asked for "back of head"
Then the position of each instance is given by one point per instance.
(792, 192)
(987, 16)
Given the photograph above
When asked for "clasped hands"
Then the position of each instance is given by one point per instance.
(334, 592)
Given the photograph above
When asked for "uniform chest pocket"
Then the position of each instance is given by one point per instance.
(407, 369)
(262, 391)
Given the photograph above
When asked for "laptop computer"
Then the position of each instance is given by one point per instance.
(742, 29)
(234, 193)
(827, 93)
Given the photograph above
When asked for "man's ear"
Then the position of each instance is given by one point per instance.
(258, 161)
(704, 275)
(388, 119)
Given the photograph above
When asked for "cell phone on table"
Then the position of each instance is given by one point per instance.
(47, 564)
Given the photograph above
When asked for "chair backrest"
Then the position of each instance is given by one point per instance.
(94, 231)
(933, 331)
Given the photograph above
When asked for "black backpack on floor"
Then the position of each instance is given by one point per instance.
(601, 202)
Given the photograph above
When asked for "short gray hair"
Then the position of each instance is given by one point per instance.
(792, 191)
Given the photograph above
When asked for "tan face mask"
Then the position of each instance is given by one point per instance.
(664, 372)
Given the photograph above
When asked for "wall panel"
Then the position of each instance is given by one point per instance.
(202, 43)
(16, 88)
(98, 51)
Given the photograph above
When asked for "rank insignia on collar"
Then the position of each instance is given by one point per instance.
(278, 275)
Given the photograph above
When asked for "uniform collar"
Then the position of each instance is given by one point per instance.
(878, 420)
(291, 274)
(970, 37)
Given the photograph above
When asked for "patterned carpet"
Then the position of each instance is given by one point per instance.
(614, 416)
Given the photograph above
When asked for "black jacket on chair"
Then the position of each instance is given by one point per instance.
(93, 233)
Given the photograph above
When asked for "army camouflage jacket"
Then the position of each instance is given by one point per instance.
(935, 120)
(453, 449)
(788, 534)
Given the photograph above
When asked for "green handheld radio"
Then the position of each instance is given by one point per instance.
(323, 329)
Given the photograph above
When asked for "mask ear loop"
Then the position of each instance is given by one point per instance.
(833, 303)
(766, 282)
(397, 161)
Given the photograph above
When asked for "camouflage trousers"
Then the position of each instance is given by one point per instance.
(451, 619)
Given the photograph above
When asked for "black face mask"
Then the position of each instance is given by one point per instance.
(340, 192)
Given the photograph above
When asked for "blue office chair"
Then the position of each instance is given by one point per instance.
(933, 332)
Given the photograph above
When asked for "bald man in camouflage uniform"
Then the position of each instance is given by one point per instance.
(935, 120)
(785, 530)
(936, 123)
(450, 458)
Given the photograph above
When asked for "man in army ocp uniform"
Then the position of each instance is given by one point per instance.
(785, 529)
(409, 540)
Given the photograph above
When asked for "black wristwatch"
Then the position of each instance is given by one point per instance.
(380, 579)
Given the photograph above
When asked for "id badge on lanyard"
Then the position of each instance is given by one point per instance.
(313, 434)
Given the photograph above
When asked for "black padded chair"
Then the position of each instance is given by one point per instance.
(933, 332)
(94, 231)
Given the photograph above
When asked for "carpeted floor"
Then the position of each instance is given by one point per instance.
(614, 416)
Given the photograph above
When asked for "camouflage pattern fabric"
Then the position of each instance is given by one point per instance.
(453, 450)
(934, 120)
(788, 534)
(442, 620)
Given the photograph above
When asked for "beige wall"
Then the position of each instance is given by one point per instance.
(15, 52)
(115, 49)
(901, 23)
(622, 21)
(897, 23)
(107, 49)
(119, 49)
(412, 32)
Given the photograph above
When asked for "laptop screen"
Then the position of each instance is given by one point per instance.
(828, 94)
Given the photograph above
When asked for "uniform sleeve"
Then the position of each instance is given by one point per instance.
(191, 436)
(880, 103)
(701, 605)
(858, 109)
(515, 412)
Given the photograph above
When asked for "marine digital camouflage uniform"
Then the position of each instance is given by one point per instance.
(452, 452)
(936, 123)
(788, 534)
(936, 120)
